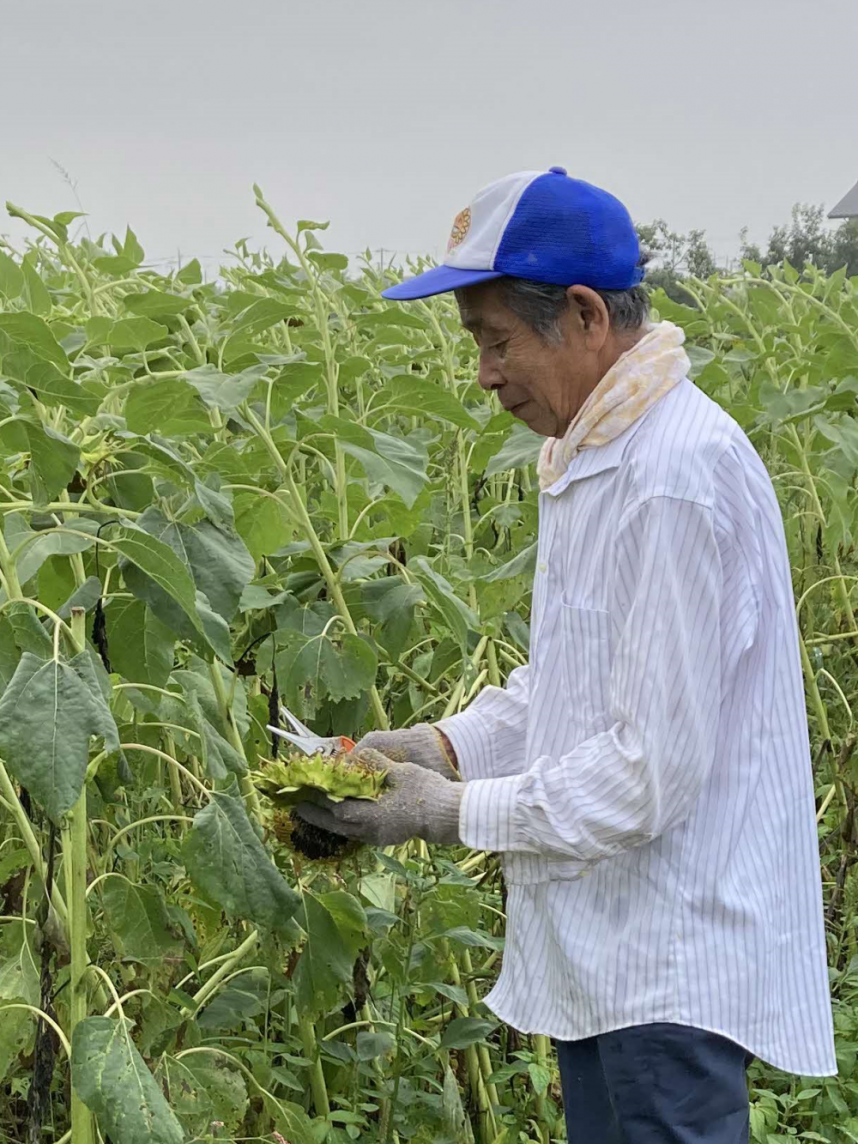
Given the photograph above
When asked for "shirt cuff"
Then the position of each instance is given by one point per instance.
(487, 814)
(471, 741)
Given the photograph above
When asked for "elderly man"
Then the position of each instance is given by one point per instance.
(647, 776)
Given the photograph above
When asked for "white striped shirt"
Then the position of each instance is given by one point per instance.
(647, 776)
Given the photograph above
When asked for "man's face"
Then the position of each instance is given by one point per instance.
(542, 382)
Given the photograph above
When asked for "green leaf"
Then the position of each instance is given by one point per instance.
(262, 523)
(137, 916)
(53, 461)
(328, 261)
(31, 549)
(350, 918)
(112, 1080)
(19, 982)
(34, 333)
(424, 398)
(474, 939)
(518, 451)
(370, 1046)
(464, 1031)
(260, 316)
(11, 277)
(28, 632)
(141, 647)
(156, 304)
(48, 713)
(540, 1076)
(116, 265)
(457, 1126)
(397, 462)
(205, 1090)
(293, 381)
(54, 388)
(456, 614)
(191, 273)
(311, 666)
(131, 248)
(700, 357)
(223, 391)
(308, 224)
(217, 506)
(522, 564)
(326, 962)
(226, 860)
(392, 602)
(219, 757)
(219, 562)
(144, 553)
(244, 998)
(35, 292)
(396, 316)
(172, 407)
(10, 653)
(135, 333)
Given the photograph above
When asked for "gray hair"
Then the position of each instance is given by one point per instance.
(540, 306)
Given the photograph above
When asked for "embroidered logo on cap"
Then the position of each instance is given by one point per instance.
(461, 226)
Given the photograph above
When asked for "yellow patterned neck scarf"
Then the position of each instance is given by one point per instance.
(637, 379)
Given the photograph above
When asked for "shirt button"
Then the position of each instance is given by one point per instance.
(543, 567)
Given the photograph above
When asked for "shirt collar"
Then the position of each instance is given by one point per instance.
(589, 461)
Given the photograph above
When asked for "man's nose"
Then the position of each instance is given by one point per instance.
(488, 376)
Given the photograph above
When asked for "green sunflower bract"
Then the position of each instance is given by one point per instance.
(337, 776)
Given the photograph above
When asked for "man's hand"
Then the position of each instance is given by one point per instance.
(415, 804)
(423, 745)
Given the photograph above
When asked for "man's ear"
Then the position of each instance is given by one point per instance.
(592, 313)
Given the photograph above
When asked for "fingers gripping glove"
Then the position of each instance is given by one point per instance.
(423, 745)
(415, 803)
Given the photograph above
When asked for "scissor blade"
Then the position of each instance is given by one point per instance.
(294, 721)
(310, 744)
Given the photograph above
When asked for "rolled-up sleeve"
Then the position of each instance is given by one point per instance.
(489, 738)
(628, 784)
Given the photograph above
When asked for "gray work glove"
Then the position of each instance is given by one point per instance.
(423, 745)
(415, 804)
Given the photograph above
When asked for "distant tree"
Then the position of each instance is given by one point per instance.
(806, 238)
(674, 256)
(844, 248)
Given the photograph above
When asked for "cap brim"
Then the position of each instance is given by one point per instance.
(438, 280)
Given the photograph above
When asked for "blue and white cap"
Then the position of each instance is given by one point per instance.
(539, 225)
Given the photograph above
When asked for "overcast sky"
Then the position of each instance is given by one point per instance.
(385, 116)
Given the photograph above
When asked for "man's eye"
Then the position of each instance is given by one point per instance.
(500, 347)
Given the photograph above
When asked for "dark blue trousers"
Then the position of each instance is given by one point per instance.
(655, 1084)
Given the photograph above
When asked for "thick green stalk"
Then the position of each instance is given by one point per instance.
(845, 602)
(322, 307)
(298, 510)
(8, 792)
(75, 861)
(482, 1049)
(492, 659)
(461, 448)
(9, 570)
(543, 1055)
(317, 1075)
(248, 790)
(475, 1065)
(333, 584)
(205, 994)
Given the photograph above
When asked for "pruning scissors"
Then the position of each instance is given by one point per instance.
(306, 740)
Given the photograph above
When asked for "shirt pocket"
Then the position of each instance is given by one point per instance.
(586, 663)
